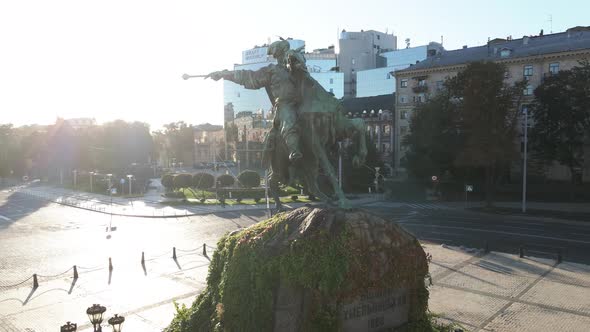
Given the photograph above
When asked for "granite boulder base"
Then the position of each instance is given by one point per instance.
(313, 269)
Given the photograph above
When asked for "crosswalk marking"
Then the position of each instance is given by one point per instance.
(429, 206)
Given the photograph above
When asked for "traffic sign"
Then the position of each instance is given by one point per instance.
(469, 187)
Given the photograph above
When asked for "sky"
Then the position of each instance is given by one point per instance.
(124, 59)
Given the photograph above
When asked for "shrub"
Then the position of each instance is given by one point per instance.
(203, 181)
(167, 181)
(183, 180)
(239, 200)
(225, 180)
(294, 198)
(249, 179)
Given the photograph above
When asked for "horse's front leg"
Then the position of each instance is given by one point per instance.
(327, 166)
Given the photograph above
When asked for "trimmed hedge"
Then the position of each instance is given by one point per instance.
(242, 193)
(225, 180)
(168, 181)
(249, 179)
(183, 180)
(203, 181)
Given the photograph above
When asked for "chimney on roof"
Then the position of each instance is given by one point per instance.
(525, 40)
(464, 46)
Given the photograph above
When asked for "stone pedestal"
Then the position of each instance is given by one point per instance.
(314, 269)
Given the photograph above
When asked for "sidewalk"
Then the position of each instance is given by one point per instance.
(502, 292)
(482, 292)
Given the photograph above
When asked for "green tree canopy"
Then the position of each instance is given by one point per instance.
(561, 113)
(435, 138)
(487, 117)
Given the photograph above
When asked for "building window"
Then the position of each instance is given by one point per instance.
(331, 81)
(505, 53)
(403, 99)
(404, 83)
(238, 95)
(331, 91)
(528, 91)
(353, 61)
(439, 85)
(403, 115)
(528, 70)
(403, 131)
(554, 68)
(388, 76)
(378, 37)
(421, 82)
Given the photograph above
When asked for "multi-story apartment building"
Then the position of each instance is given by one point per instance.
(530, 57)
(381, 81)
(378, 114)
(360, 51)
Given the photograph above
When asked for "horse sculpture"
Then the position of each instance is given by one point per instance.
(322, 123)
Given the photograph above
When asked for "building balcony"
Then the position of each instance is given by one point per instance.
(420, 88)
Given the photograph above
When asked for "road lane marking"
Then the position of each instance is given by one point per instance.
(5, 218)
(500, 232)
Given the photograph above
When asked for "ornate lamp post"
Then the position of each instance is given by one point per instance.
(69, 327)
(95, 315)
(116, 322)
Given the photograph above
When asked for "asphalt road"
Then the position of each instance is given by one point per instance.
(505, 233)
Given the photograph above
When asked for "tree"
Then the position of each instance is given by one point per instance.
(487, 116)
(249, 179)
(357, 179)
(435, 138)
(179, 140)
(561, 113)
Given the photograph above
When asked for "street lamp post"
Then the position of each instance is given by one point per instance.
(377, 180)
(91, 175)
(130, 177)
(340, 164)
(95, 315)
(524, 167)
(69, 327)
(75, 178)
(116, 322)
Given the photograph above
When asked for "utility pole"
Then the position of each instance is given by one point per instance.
(524, 166)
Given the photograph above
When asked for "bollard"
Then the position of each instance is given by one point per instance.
(142, 258)
(75, 272)
(559, 256)
(174, 253)
(110, 264)
(204, 250)
(521, 252)
(35, 281)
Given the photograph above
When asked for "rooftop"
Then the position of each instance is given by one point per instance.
(573, 39)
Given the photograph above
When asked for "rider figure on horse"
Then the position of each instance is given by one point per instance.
(283, 90)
